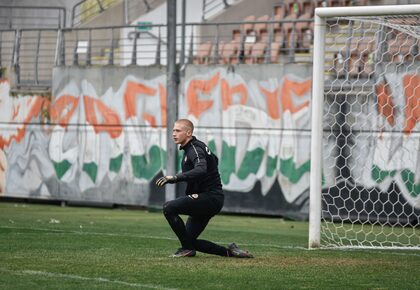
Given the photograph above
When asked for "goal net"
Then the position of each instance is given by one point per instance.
(365, 174)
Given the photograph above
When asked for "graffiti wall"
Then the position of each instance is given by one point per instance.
(379, 166)
(102, 137)
(257, 121)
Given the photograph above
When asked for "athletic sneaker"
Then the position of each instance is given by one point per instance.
(234, 251)
(183, 253)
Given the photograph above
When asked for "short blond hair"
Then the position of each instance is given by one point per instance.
(186, 124)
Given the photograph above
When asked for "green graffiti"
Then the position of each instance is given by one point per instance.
(115, 163)
(61, 167)
(147, 169)
(179, 161)
(251, 163)
(212, 146)
(408, 178)
(380, 175)
(271, 166)
(289, 170)
(91, 169)
(227, 162)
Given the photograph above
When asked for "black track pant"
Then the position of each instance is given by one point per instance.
(200, 209)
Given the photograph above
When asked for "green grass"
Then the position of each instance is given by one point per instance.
(128, 249)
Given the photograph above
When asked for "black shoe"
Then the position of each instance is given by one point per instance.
(234, 251)
(183, 253)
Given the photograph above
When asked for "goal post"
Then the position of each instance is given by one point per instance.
(365, 136)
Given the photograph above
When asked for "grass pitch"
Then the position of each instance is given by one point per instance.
(52, 247)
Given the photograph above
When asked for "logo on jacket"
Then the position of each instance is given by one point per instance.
(185, 159)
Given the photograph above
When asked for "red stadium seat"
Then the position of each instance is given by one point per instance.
(203, 53)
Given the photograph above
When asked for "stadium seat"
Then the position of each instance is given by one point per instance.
(261, 27)
(277, 45)
(365, 49)
(304, 28)
(289, 29)
(336, 3)
(248, 27)
(319, 3)
(229, 54)
(402, 48)
(308, 7)
(248, 52)
(279, 14)
(203, 53)
(236, 35)
(220, 49)
(258, 52)
(348, 60)
(280, 10)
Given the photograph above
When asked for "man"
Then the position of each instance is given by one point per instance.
(204, 196)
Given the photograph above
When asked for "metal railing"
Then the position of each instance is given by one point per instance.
(86, 10)
(7, 45)
(34, 52)
(33, 56)
(15, 17)
(145, 44)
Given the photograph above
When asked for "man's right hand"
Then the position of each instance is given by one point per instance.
(166, 179)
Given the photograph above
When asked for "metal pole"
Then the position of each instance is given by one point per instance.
(89, 51)
(182, 56)
(125, 12)
(38, 44)
(172, 96)
(316, 133)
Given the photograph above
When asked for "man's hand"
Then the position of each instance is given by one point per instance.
(166, 179)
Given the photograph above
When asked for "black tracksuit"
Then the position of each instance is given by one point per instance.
(204, 198)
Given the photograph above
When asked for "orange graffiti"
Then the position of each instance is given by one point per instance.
(111, 122)
(63, 109)
(150, 119)
(195, 105)
(15, 112)
(228, 92)
(272, 102)
(412, 94)
(163, 105)
(285, 93)
(133, 89)
(35, 104)
(385, 103)
(299, 89)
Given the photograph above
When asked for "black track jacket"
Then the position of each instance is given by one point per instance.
(199, 168)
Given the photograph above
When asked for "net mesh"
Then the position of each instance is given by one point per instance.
(371, 155)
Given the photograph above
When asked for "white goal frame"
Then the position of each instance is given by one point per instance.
(321, 14)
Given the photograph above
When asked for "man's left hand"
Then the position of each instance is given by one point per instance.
(166, 179)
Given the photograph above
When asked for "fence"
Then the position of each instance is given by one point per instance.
(33, 52)
(86, 10)
(13, 17)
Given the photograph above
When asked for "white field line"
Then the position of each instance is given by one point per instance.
(218, 242)
(76, 277)
(142, 237)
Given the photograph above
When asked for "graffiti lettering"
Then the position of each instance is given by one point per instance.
(133, 89)
(63, 109)
(229, 92)
(111, 121)
(412, 108)
(385, 104)
(196, 106)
